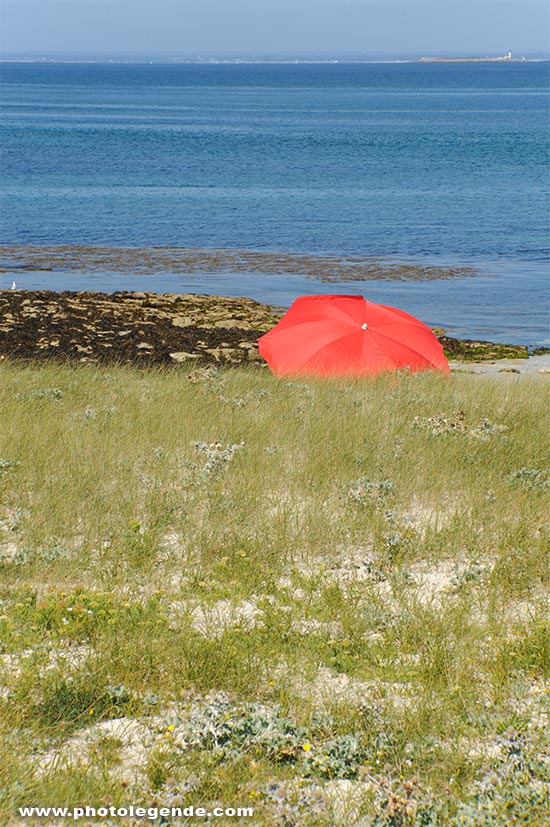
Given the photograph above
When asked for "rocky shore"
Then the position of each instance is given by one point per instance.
(159, 329)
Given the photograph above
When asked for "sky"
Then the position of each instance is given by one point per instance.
(237, 27)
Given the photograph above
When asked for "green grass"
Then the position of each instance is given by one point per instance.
(326, 600)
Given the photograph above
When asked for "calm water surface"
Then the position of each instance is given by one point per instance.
(444, 164)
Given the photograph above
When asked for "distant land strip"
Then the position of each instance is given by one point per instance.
(144, 260)
(265, 60)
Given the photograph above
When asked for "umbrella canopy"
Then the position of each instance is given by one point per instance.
(345, 335)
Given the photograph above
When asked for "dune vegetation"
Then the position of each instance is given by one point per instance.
(328, 601)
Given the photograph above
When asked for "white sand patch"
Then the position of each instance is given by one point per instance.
(534, 704)
(479, 750)
(224, 614)
(133, 739)
(68, 656)
(345, 799)
(434, 581)
(351, 564)
(422, 515)
(213, 620)
(8, 552)
(311, 626)
(9, 548)
(525, 610)
(329, 688)
(356, 568)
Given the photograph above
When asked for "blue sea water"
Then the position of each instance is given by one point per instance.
(438, 163)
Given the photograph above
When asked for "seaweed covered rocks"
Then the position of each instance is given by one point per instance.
(132, 328)
(160, 329)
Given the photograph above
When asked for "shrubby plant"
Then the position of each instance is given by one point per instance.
(532, 478)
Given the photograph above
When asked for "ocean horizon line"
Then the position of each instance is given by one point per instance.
(269, 58)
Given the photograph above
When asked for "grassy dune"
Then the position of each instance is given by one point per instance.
(328, 601)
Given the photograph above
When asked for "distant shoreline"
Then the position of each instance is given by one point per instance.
(119, 61)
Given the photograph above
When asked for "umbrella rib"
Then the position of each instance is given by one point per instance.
(375, 345)
(403, 345)
(312, 347)
(347, 318)
(329, 344)
(372, 345)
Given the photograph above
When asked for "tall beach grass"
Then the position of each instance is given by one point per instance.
(327, 600)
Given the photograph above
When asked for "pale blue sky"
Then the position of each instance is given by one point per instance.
(172, 27)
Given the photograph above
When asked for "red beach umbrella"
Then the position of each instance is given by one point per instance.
(348, 335)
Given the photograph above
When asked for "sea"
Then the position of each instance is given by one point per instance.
(416, 165)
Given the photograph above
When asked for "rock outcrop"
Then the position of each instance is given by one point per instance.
(155, 329)
(132, 328)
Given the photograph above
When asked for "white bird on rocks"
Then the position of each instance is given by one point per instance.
(13, 285)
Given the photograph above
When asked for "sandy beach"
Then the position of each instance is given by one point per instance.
(538, 365)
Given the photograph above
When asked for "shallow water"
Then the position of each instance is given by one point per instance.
(440, 165)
